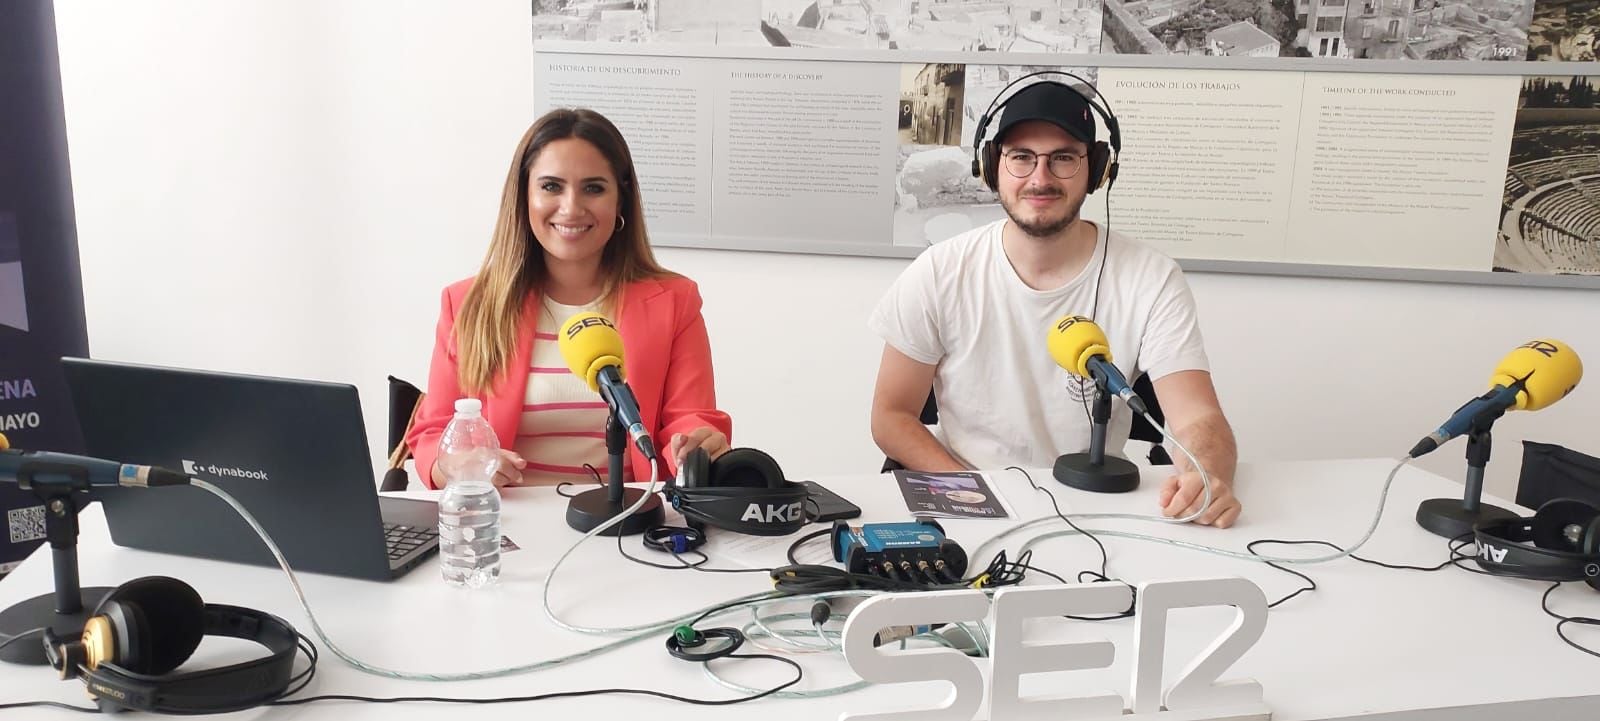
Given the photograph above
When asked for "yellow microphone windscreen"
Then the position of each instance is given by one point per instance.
(589, 342)
(1073, 340)
(1552, 370)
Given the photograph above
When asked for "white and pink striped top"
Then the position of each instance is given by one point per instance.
(563, 422)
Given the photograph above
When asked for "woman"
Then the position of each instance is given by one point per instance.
(570, 238)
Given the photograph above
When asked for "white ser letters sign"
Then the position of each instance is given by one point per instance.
(1194, 696)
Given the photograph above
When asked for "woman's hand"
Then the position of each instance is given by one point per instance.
(711, 439)
(508, 473)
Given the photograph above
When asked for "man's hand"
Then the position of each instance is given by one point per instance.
(1182, 494)
(711, 439)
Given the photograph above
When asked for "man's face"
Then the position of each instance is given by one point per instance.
(1040, 203)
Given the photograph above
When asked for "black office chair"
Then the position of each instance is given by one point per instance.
(1140, 431)
(404, 399)
(1550, 471)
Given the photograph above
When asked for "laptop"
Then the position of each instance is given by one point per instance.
(293, 452)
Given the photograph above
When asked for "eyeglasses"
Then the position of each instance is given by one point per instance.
(1020, 164)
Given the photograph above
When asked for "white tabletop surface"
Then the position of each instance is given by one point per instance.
(1370, 643)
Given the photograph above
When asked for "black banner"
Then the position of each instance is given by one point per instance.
(41, 290)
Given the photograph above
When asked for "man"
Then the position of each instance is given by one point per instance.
(968, 319)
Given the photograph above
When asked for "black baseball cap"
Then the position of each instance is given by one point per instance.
(1052, 103)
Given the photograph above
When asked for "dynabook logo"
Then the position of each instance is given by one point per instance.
(772, 513)
(194, 468)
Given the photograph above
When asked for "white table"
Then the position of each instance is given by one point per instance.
(1371, 643)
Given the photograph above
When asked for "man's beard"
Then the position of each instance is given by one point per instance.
(1046, 229)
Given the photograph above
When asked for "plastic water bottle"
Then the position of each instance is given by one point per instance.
(469, 510)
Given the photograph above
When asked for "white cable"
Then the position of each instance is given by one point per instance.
(758, 600)
(792, 638)
(757, 629)
(818, 693)
(1205, 483)
(1383, 499)
(1205, 498)
(387, 672)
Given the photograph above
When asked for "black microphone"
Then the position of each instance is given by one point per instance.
(29, 469)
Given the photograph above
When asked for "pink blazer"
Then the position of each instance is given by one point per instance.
(666, 361)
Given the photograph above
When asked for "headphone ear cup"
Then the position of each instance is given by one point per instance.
(65, 655)
(130, 642)
(991, 164)
(695, 471)
(158, 622)
(1551, 521)
(746, 468)
(1099, 165)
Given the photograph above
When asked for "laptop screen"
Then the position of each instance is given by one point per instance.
(293, 452)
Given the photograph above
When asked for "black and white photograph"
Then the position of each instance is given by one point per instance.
(1377, 29)
(1233, 28)
(1020, 26)
(13, 301)
(936, 195)
(700, 22)
(1438, 29)
(932, 168)
(929, 111)
(1564, 30)
(1550, 221)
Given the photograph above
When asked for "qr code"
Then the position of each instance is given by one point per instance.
(26, 524)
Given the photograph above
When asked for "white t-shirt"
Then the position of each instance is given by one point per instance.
(1002, 399)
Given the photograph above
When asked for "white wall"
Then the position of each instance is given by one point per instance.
(283, 188)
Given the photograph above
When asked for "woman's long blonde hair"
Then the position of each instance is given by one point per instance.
(514, 267)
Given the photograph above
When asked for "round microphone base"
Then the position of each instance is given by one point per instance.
(1112, 475)
(589, 509)
(27, 617)
(1445, 516)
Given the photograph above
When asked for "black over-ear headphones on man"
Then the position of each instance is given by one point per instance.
(149, 626)
(1560, 542)
(743, 491)
(1102, 158)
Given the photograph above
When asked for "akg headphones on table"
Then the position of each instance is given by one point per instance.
(149, 626)
(1037, 103)
(1560, 542)
(743, 491)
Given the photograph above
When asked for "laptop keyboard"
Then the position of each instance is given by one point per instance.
(402, 540)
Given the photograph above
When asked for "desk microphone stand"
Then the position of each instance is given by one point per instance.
(1094, 471)
(591, 508)
(65, 610)
(1451, 518)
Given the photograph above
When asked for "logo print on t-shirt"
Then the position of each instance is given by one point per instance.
(1080, 389)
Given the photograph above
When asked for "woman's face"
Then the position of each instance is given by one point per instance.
(573, 200)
